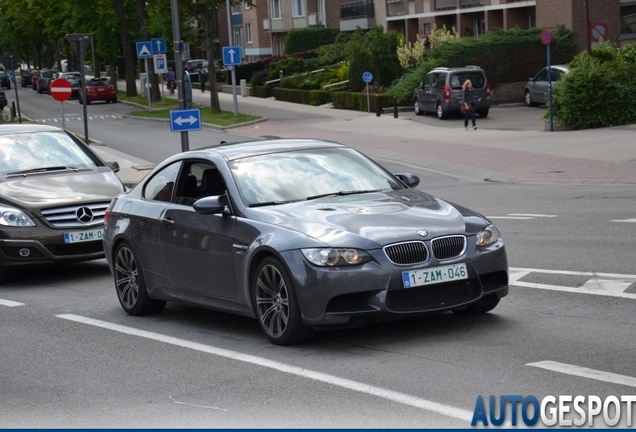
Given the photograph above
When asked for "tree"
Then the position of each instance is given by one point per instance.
(127, 46)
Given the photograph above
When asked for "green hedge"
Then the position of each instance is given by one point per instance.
(262, 91)
(307, 97)
(306, 39)
(358, 101)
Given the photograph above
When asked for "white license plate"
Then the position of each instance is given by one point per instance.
(84, 236)
(434, 275)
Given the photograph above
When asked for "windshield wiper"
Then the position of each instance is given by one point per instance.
(342, 193)
(43, 169)
(268, 203)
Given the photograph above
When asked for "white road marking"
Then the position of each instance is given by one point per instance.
(585, 372)
(625, 220)
(10, 303)
(607, 284)
(522, 216)
(390, 395)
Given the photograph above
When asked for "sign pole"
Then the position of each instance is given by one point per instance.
(63, 123)
(176, 35)
(550, 87)
(229, 30)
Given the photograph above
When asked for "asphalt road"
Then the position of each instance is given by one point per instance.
(72, 358)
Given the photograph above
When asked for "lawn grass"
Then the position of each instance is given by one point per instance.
(161, 110)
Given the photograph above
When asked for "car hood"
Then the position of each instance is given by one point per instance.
(44, 190)
(372, 220)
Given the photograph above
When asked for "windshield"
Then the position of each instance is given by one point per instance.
(37, 150)
(303, 174)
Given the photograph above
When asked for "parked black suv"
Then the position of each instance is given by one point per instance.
(441, 91)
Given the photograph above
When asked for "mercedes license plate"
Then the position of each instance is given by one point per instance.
(434, 275)
(83, 236)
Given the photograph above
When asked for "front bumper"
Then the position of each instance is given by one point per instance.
(352, 296)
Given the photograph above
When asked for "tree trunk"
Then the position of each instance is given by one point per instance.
(155, 95)
(215, 105)
(113, 74)
(129, 53)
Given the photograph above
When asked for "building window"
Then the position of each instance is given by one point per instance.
(298, 8)
(628, 20)
(248, 32)
(532, 21)
(276, 13)
(238, 36)
(247, 5)
(427, 29)
(236, 9)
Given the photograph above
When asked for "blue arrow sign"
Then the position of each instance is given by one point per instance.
(12, 76)
(144, 50)
(158, 45)
(185, 120)
(232, 55)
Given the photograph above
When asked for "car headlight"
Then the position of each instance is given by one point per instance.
(10, 216)
(332, 257)
(487, 236)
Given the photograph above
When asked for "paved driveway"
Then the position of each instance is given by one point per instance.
(499, 118)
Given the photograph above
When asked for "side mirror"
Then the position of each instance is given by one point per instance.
(410, 180)
(113, 165)
(210, 204)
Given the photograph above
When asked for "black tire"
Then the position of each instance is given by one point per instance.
(88, 102)
(441, 113)
(130, 284)
(484, 113)
(276, 304)
(416, 107)
(528, 99)
(483, 306)
(39, 91)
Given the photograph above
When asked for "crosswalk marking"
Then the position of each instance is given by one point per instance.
(625, 220)
(522, 216)
(72, 118)
(606, 284)
(10, 303)
(585, 372)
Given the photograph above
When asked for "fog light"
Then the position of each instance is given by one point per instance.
(25, 252)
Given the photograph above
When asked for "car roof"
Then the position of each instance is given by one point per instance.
(7, 129)
(257, 148)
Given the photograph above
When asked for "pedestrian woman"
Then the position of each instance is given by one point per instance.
(203, 77)
(469, 103)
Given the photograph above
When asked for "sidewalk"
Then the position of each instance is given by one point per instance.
(597, 156)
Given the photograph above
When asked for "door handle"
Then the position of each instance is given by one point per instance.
(167, 221)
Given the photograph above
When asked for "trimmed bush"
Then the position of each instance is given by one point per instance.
(307, 97)
(307, 39)
(358, 101)
(262, 91)
(599, 91)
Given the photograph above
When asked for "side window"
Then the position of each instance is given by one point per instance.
(455, 83)
(440, 81)
(161, 185)
(428, 80)
(542, 76)
(556, 74)
(199, 179)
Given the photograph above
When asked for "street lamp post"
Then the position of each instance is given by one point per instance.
(176, 34)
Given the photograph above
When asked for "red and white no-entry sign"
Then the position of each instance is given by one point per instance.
(60, 89)
(598, 32)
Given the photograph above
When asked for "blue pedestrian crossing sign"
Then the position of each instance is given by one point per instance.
(144, 50)
(232, 55)
(158, 45)
(185, 120)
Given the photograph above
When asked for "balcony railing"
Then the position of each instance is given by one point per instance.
(471, 3)
(445, 4)
(357, 9)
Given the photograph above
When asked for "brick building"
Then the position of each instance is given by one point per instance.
(261, 30)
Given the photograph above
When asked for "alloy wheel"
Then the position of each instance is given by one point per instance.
(272, 301)
(126, 277)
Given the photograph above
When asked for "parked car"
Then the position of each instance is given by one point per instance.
(75, 78)
(300, 234)
(537, 89)
(5, 82)
(25, 77)
(44, 80)
(54, 191)
(99, 89)
(3, 100)
(193, 65)
(441, 91)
